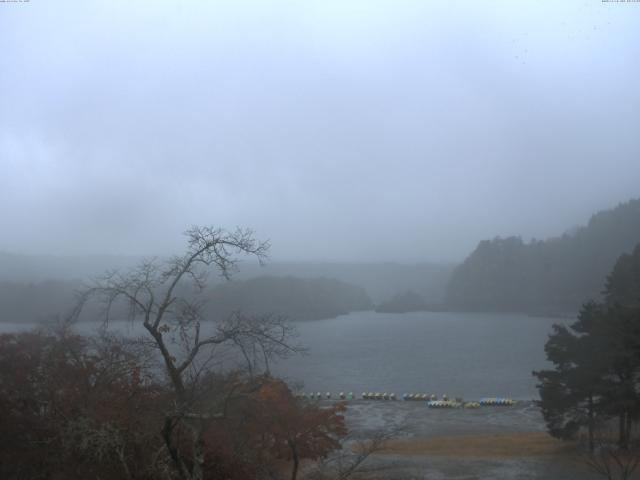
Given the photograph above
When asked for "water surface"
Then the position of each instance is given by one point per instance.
(459, 354)
(471, 355)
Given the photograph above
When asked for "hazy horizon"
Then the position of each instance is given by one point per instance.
(309, 260)
(343, 131)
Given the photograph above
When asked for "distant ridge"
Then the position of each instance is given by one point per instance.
(38, 287)
(554, 276)
(295, 298)
(22, 268)
(381, 280)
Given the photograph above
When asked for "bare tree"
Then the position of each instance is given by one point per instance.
(154, 293)
(350, 462)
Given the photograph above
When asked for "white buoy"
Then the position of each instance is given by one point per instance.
(328, 394)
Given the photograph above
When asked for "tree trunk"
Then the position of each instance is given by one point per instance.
(622, 430)
(296, 460)
(167, 435)
(591, 425)
(174, 374)
(198, 455)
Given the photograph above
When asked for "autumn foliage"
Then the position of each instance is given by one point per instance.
(75, 407)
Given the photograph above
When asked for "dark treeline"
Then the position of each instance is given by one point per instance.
(295, 298)
(595, 383)
(36, 288)
(381, 280)
(546, 277)
(38, 268)
(36, 302)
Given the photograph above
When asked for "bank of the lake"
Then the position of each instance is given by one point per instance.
(487, 443)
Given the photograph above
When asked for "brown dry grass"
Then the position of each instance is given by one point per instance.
(513, 445)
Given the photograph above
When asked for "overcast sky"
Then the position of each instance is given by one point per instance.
(339, 129)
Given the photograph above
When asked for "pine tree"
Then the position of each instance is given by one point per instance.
(570, 394)
(596, 375)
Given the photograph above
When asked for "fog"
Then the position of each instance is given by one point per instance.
(340, 130)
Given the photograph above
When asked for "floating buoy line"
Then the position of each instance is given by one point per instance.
(431, 400)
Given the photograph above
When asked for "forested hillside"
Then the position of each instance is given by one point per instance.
(546, 277)
(381, 280)
(296, 298)
(36, 302)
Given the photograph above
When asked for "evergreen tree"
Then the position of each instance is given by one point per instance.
(570, 394)
(623, 284)
(622, 335)
(596, 375)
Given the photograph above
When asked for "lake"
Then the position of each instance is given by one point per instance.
(471, 355)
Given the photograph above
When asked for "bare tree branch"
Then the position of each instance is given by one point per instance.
(154, 294)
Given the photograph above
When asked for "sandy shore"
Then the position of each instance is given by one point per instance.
(494, 446)
(465, 444)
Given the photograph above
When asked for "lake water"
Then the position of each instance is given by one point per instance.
(471, 355)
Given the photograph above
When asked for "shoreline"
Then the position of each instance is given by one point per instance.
(484, 446)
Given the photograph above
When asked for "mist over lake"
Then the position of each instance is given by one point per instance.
(469, 355)
(244, 240)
